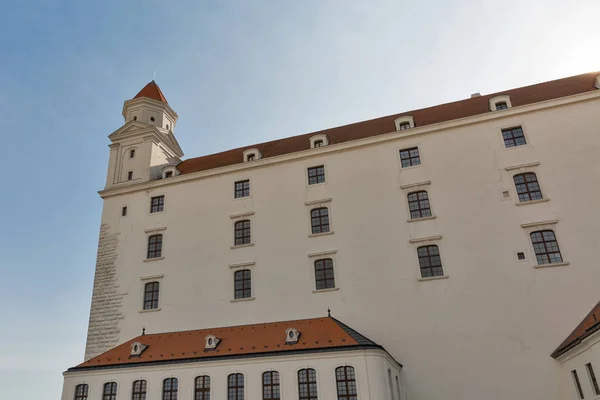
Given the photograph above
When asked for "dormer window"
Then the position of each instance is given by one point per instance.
(291, 336)
(405, 122)
(318, 141)
(251, 155)
(168, 174)
(168, 171)
(211, 342)
(132, 153)
(498, 103)
(137, 349)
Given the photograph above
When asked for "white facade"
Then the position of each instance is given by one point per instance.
(577, 359)
(478, 331)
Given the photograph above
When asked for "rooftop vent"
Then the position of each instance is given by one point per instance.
(291, 336)
(476, 95)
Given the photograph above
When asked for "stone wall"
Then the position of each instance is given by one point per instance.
(106, 309)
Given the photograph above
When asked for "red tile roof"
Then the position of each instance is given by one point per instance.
(152, 91)
(317, 334)
(589, 325)
(426, 116)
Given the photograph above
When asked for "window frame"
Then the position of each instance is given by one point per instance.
(271, 385)
(512, 128)
(547, 253)
(577, 384)
(246, 286)
(326, 269)
(429, 256)
(246, 232)
(348, 395)
(131, 153)
(318, 175)
(410, 158)
(593, 380)
(129, 176)
(204, 392)
(85, 391)
(243, 190)
(320, 225)
(153, 288)
(417, 191)
(111, 395)
(237, 386)
(173, 392)
(160, 205)
(136, 393)
(528, 192)
(308, 382)
(157, 251)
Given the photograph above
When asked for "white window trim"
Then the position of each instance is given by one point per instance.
(240, 217)
(403, 119)
(530, 227)
(311, 205)
(513, 126)
(417, 187)
(531, 167)
(322, 137)
(399, 149)
(504, 98)
(257, 154)
(149, 204)
(312, 260)
(243, 197)
(315, 165)
(169, 168)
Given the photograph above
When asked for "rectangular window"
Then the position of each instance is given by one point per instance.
(242, 233)
(316, 175)
(157, 204)
(130, 175)
(430, 261)
(168, 174)
(501, 105)
(513, 137)
(154, 246)
(324, 277)
(242, 189)
(418, 204)
(243, 284)
(124, 211)
(131, 153)
(546, 247)
(410, 157)
(593, 380)
(577, 384)
(151, 292)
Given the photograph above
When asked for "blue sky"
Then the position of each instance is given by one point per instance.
(237, 72)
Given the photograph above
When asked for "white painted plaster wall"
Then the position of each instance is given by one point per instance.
(576, 359)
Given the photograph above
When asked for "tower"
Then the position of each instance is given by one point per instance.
(144, 148)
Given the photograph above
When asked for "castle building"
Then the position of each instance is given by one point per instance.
(440, 253)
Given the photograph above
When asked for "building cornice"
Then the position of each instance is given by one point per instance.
(364, 142)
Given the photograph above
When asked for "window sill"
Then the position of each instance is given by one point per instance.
(242, 245)
(240, 300)
(561, 264)
(321, 234)
(150, 310)
(316, 184)
(153, 259)
(524, 203)
(326, 290)
(433, 278)
(421, 219)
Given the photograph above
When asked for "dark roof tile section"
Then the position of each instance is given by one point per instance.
(152, 91)
(589, 325)
(425, 116)
(317, 334)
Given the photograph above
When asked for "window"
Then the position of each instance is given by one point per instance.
(242, 189)
(545, 247)
(81, 392)
(152, 119)
(170, 389)
(307, 384)
(318, 143)
(418, 204)
(235, 387)
(410, 157)
(346, 383)
(151, 291)
(157, 204)
(132, 153)
(124, 211)
(250, 157)
(271, 385)
(501, 105)
(168, 174)
(135, 117)
(528, 187)
(242, 232)
(577, 384)
(110, 391)
(130, 175)
(390, 382)
(167, 126)
(316, 175)
(154, 246)
(513, 137)
(592, 376)
(324, 274)
(398, 388)
(243, 284)
(430, 261)
(520, 255)
(202, 390)
(319, 220)
(403, 126)
(138, 391)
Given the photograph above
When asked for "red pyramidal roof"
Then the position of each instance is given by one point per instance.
(152, 91)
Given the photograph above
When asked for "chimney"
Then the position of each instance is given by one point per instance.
(476, 95)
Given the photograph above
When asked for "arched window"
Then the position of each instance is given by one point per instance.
(527, 186)
(307, 384)
(170, 386)
(271, 385)
(151, 291)
(242, 232)
(319, 220)
(546, 247)
(418, 204)
(202, 390)
(324, 277)
(109, 391)
(430, 261)
(243, 284)
(81, 392)
(138, 390)
(235, 387)
(346, 383)
(155, 246)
